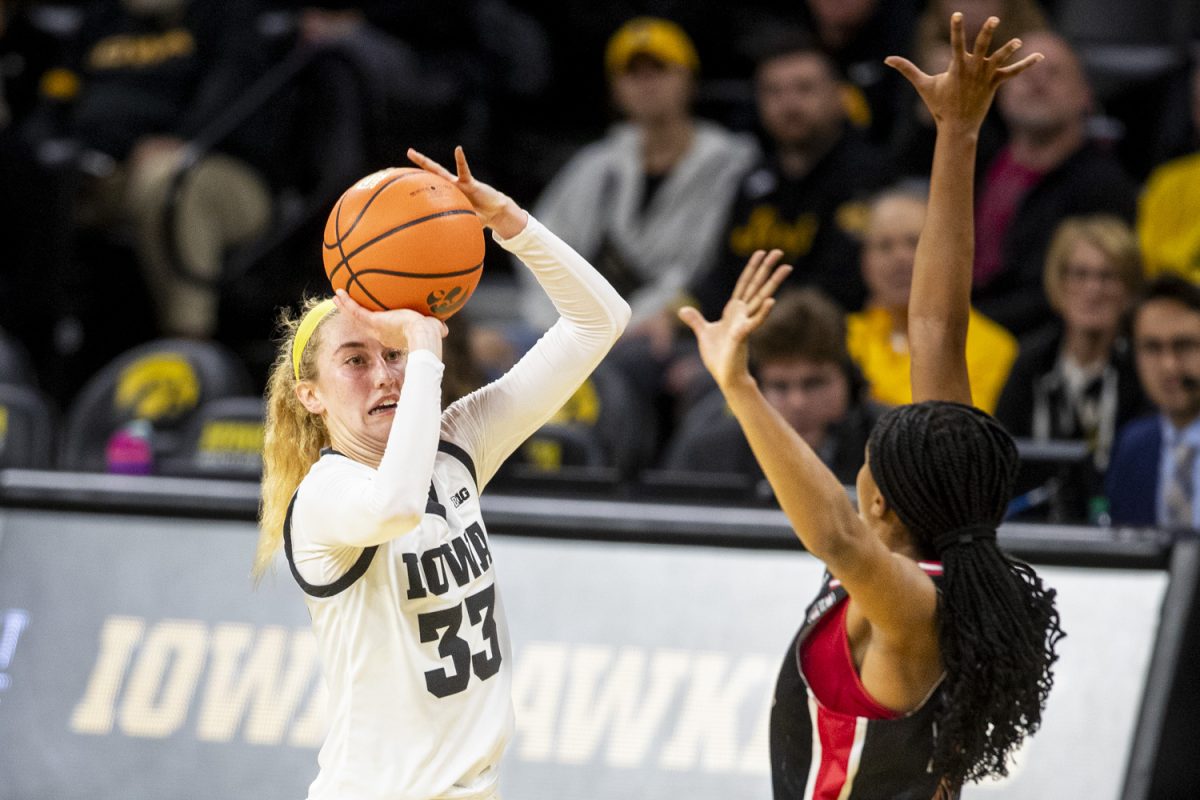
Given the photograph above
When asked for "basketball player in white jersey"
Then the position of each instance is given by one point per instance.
(373, 492)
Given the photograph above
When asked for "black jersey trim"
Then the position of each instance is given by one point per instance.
(356, 571)
(432, 506)
(454, 451)
(449, 448)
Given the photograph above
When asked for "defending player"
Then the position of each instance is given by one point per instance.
(373, 491)
(926, 658)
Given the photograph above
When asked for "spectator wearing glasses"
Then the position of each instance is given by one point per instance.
(1154, 473)
(1075, 378)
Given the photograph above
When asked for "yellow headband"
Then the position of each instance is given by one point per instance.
(307, 325)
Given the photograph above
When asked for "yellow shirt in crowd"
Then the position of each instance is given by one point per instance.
(884, 360)
(1167, 214)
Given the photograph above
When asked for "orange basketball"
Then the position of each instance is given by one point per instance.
(404, 238)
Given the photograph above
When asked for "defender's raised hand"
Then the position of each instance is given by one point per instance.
(723, 342)
(963, 93)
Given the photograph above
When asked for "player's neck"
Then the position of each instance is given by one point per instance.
(358, 448)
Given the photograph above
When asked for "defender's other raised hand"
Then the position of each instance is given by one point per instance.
(963, 93)
(723, 343)
(495, 209)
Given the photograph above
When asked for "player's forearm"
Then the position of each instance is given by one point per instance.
(814, 501)
(939, 304)
(401, 485)
(580, 294)
(492, 422)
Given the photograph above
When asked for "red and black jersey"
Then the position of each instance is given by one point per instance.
(820, 754)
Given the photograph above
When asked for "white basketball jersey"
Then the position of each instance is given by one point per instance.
(408, 620)
(418, 699)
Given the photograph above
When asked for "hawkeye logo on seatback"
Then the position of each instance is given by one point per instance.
(157, 386)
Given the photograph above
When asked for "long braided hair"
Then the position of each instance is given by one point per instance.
(948, 472)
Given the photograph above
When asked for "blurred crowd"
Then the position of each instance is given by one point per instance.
(166, 167)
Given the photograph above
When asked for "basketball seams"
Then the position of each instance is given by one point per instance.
(384, 278)
(344, 261)
(337, 234)
(361, 212)
(391, 273)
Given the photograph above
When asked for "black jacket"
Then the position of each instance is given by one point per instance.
(816, 220)
(1031, 388)
(1088, 182)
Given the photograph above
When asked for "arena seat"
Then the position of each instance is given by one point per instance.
(1124, 43)
(557, 445)
(604, 414)
(223, 439)
(163, 382)
(27, 424)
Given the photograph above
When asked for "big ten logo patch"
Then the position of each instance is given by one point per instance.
(156, 387)
(581, 409)
(446, 301)
(230, 443)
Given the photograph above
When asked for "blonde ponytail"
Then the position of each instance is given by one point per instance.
(293, 437)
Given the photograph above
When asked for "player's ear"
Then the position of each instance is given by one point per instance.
(879, 507)
(306, 393)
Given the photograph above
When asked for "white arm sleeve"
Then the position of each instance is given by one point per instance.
(493, 421)
(342, 504)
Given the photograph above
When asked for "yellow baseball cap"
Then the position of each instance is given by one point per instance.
(652, 36)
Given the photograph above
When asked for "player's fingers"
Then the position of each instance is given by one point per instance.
(429, 165)
(460, 161)
(958, 45)
(911, 72)
(1019, 67)
(747, 272)
(692, 318)
(758, 317)
(983, 41)
(1004, 53)
(759, 279)
(777, 278)
(755, 293)
(347, 304)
